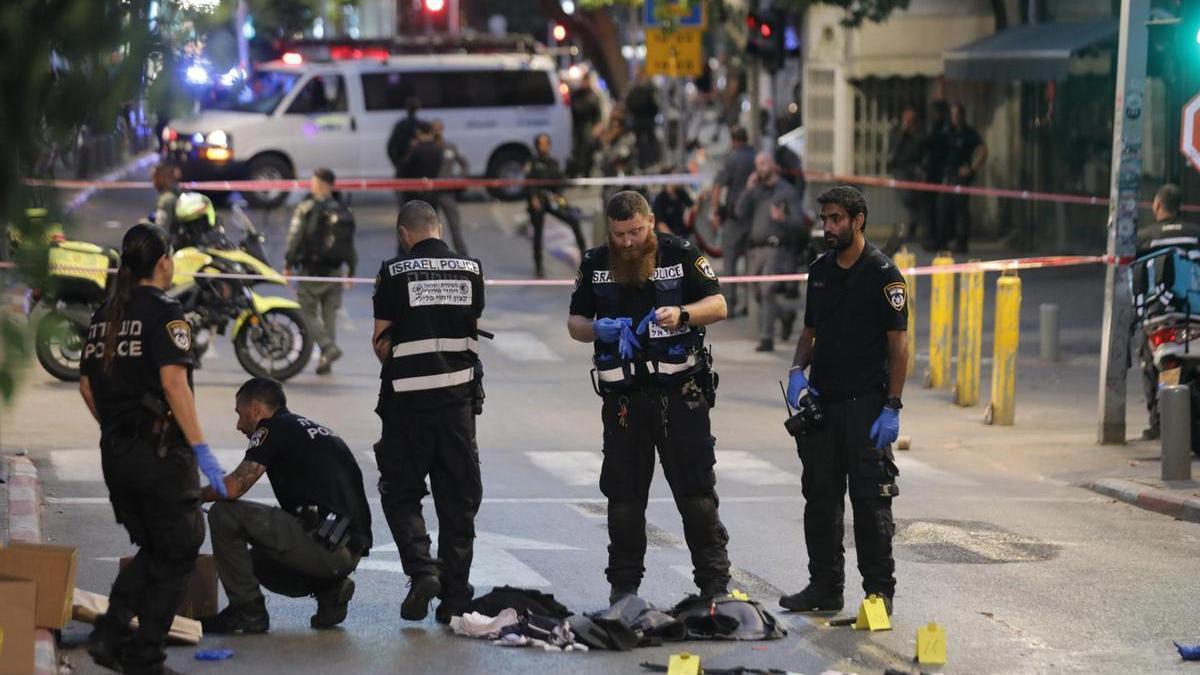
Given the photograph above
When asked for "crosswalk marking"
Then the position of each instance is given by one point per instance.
(520, 345)
(910, 468)
(577, 468)
(745, 467)
(574, 468)
(493, 565)
(83, 466)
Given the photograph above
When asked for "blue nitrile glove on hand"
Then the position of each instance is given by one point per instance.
(629, 342)
(609, 330)
(210, 468)
(797, 383)
(886, 427)
(644, 324)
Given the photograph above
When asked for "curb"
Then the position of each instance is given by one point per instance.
(25, 525)
(1149, 498)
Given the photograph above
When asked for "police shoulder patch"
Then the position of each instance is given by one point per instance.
(180, 333)
(896, 294)
(705, 268)
(257, 438)
(578, 277)
(378, 283)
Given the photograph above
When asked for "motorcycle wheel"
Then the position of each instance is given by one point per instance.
(59, 346)
(279, 347)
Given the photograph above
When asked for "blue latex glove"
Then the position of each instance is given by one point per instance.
(629, 342)
(210, 468)
(797, 383)
(609, 330)
(644, 324)
(1188, 652)
(886, 427)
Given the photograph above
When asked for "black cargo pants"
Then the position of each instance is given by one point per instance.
(841, 452)
(674, 420)
(439, 444)
(157, 499)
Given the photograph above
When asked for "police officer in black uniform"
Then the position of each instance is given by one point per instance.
(312, 541)
(547, 198)
(136, 380)
(643, 300)
(427, 307)
(854, 340)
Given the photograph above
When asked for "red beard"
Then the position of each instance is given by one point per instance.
(633, 266)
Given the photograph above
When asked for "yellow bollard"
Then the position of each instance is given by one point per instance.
(904, 262)
(941, 319)
(970, 337)
(1007, 332)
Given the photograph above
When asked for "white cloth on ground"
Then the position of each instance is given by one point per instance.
(476, 625)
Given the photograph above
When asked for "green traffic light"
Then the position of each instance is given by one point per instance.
(1198, 37)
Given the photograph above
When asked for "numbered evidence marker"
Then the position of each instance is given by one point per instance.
(872, 615)
(931, 645)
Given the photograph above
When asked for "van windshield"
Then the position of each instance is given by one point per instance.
(261, 93)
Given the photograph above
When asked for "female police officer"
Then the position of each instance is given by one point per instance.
(136, 381)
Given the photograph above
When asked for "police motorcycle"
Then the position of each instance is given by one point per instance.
(1165, 287)
(269, 333)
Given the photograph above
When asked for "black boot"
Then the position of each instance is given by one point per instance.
(813, 599)
(454, 604)
(619, 592)
(332, 603)
(249, 618)
(421, 591)
(107, 640)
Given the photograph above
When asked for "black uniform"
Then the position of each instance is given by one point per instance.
(659, 400)
(314, 476)
(550, 201)
(149, 469)
(851, 311)
(431, 386)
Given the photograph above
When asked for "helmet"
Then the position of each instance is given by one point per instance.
(193, 206)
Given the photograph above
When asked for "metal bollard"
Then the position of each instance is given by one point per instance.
(1049, 332)
(941, 318)
(1175, 408)
(1007, 333)
(906, 261)
(970, 338)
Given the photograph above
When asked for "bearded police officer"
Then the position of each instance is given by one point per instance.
(427, 307)
(854, 340)
(643, 300)
(136, 379)
(312, 541)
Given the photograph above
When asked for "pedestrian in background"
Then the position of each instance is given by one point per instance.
(937, 149)
(730, 182)
(321, 244)
(774, 213)
(454, 165)
(670, 208)
(136, 380)
(400, 141)
(965, 155)
(906, 161)
(586, 113)
(642, 104)
(165, 178)
(546, 198)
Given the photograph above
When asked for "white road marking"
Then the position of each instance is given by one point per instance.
(493, 565)
(521, 345)
(576, 468)
(910, 468)
(744, 467)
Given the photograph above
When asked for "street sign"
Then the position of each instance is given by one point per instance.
(1189, 136)
(675, 53)
(679, 12)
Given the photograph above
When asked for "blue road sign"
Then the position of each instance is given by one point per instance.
(687, 16)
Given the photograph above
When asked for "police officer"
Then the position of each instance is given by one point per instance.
(165, 178)
(312, 541)
(1167, 231)
(854, 340)
(643, 300)
(136, 381)
(427, 307)
(547, 198)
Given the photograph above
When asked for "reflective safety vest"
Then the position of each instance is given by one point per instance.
(666, 357)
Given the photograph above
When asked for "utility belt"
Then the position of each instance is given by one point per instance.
(626, 376)
(151, 422)
(327, 528)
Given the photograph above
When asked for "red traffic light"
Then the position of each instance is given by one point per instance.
(560, 32)
(765, 30)
(435, 5)
(751, 22)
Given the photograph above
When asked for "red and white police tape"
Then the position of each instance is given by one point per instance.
(1009, 264)
(437, 184)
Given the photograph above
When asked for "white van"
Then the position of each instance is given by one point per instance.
(293, 116)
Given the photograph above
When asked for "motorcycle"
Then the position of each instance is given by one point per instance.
(61, 311)
(1166, 293)
(269, 333)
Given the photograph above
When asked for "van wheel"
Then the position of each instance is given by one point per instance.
(508, 163)
(268, 167)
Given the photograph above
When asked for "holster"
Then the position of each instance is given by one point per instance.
(706, 378)
(477, 395)
(162, 431)
(329, 529)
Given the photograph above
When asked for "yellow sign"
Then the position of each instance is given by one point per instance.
(931, 645)
(676, 53)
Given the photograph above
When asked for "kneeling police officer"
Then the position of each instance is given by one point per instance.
(855, 323)
(657, 388)
(308, 545)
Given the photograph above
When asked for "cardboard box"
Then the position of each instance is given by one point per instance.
(53, 569)
(90, 605)
(18, 600)
(200, 591)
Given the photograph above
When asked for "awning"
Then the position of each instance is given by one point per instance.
(1033, 53)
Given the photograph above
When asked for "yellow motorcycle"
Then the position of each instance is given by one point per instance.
(270, 335)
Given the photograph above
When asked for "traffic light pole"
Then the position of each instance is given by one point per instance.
(1122, 217)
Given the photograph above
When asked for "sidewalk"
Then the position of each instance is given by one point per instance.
(21, 520)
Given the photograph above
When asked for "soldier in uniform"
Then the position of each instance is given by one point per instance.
(136, 376)
(643, 300)
(427, 307)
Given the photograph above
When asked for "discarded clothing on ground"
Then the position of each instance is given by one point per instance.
(726, 618)
(476, 625)
(520, 599)
(540, 631)
(630, 622)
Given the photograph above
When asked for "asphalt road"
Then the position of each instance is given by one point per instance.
(1027, 572)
